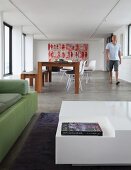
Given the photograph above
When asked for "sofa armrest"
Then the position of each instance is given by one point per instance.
(14, 86)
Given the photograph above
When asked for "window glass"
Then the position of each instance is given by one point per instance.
(7, 49)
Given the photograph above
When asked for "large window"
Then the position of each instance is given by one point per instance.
(7, 49)
(129, 39)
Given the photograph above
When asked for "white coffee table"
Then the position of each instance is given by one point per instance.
(114, 147)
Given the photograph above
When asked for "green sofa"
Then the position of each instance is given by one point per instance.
(17, 107)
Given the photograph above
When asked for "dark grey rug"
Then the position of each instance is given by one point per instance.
(38, 153)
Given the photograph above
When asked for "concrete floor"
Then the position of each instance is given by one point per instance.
(97, 89)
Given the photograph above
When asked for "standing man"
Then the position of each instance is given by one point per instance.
(113, 57)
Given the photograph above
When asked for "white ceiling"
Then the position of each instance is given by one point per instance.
(67, 19)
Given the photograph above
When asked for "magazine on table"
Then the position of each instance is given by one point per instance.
(81, 128)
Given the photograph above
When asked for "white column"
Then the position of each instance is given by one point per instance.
(1, 46)
(29, 52)
(16, 50)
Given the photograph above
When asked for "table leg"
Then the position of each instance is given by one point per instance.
(50, 74)
(39, 77)
(36, 82)
(76, 69)
(43, 78)
(22, 76)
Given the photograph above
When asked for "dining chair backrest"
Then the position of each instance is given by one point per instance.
(82, 67)
(69, 61)
(92, 65)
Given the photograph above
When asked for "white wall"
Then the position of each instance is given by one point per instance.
(123, 32)
(125, 70)
(96, 51)
(17, 54)
(40, 51)
(29, 53)
(16, 50)
(125, 67)
(1, 46)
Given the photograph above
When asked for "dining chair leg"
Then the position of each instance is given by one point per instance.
(87, 78)
(68, 80)
(69, 83)
(62, 75)
(80, 84)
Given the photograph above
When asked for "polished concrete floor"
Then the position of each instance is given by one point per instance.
(97, 89)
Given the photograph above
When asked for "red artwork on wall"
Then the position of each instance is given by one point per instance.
(74, 52)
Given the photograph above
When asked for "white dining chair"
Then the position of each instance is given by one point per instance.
(64, 69)
(89, 69)
(71, 76)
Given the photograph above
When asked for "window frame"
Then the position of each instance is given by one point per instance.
(23, 56)
(10, 49)
(129, 40)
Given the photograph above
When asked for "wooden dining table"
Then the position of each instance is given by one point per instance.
(49, 66)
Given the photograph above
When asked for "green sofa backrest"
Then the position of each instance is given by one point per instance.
(14, 86)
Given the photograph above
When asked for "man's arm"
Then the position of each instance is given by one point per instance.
(119, 54)
(107, 55)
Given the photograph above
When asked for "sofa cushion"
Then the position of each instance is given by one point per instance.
(8, 99)
(2, 107)
(14, 86)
